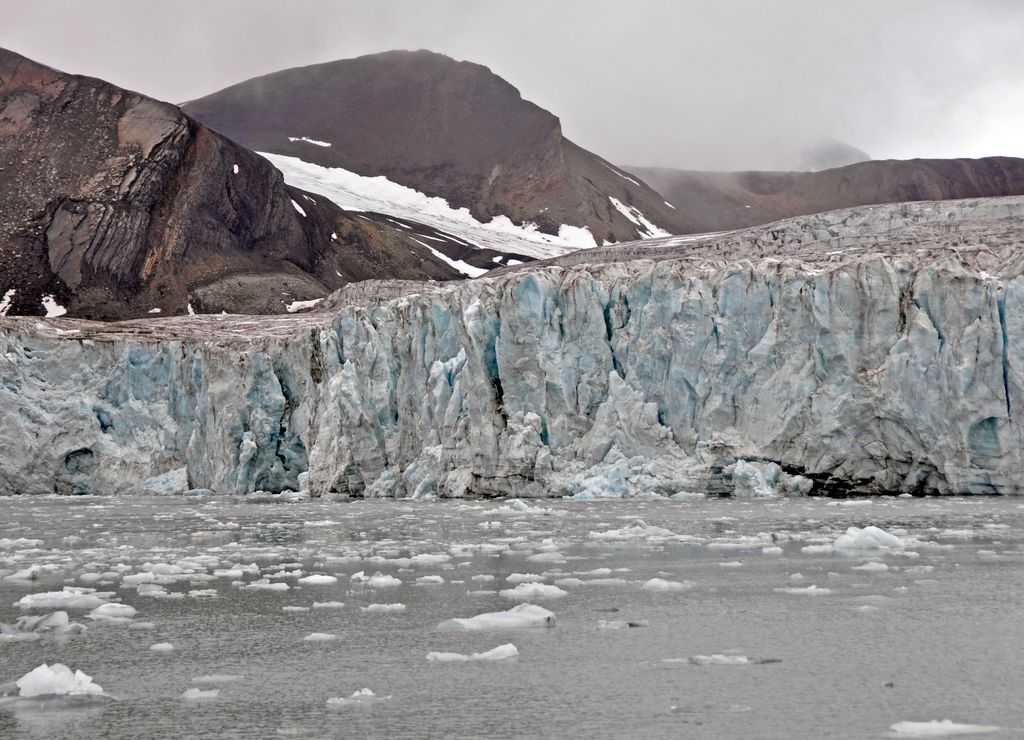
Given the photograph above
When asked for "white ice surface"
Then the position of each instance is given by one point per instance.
(518, 617)
(315, 142)
(502, 652)
(296, 306)
(318, 579)
(53, 309)
(528, 591)
(358, 193)
(645, 228)
(868, 538)
(56, 680)
(939, 728)
(5, 302)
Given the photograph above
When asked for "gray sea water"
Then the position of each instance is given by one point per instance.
(937, 634)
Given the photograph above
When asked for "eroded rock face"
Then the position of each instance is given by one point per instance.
(116, 204)
(896, 364)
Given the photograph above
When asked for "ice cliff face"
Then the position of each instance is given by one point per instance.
(880, 349)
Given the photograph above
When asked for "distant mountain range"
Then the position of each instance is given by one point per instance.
(115, 205)
(713, 201)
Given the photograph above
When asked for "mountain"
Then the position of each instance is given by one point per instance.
(713, 201)
(446, 128)
(113, 205)
(829, 154)
(870, 350)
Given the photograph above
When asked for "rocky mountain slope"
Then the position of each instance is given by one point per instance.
(115, 205)
(445, 128)
(878, 349)
(713, 201)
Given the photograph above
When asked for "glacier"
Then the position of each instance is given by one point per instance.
(872, 350)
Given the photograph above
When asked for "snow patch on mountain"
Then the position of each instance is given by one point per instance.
(645, 228)
(315, 142)
(464, 267)
(380, 195)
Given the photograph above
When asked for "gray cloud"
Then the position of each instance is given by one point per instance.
(711, 85)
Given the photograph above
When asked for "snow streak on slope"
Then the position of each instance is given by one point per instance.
(378, 194)
(463, 267)
(644, 226)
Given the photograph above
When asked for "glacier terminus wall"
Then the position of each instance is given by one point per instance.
(873, 350)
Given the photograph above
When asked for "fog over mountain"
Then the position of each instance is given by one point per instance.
(717, 86)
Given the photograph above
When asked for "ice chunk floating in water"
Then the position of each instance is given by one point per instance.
(200, 694)
(362, 696)
(527, 591)
(56, 680)
(869, 538)
(518, 617)
(939, 728)
(502, 652)
(721, 659)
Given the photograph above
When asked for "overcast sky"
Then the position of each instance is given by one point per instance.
(723, 84)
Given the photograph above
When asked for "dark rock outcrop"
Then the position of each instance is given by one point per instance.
(713, 201)
(446, 128)
(117, 204)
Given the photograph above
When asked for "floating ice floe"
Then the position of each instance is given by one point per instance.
(727, 658)
(429, 581)
(638, 530)
(429, 558)
(552, 556)
(688, 496)
(939, 728)
(318, 579)
(621, 624)
(518, 617)
(113, 613)
(524, 578)
(264, 584)
(363, 696)
(328, 604)
(754, 480)
(29, 574)
(872, 566)
(71, 597)
(55, 624)
(660, 584)
(377, 580)
(527, 591)
(502, 652)
(319, 637)
(590, 582)
(56, 680)
(195, 694)
(868, 538)
(804, 591)
(162, 647)
(383, 608)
